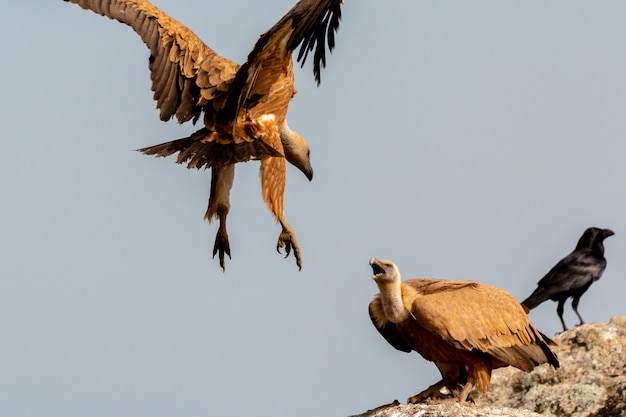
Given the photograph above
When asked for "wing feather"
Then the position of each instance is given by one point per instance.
(306, 24)
(177, 56)
(387, 329)
(315, 24)
(474, 316)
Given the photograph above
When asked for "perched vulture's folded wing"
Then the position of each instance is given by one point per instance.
(484, 318)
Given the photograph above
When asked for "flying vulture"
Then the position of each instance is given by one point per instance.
(574, 274)
(466, 328)
(243, 108)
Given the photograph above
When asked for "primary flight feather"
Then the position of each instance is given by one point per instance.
(243, 108)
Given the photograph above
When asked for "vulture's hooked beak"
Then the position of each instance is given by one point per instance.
(308, 173)
(608, 232)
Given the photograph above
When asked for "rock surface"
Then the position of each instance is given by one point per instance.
(444, 410)
(591, 382)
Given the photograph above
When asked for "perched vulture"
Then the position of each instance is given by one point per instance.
(574, 274)
(466, 328)
(243, 108)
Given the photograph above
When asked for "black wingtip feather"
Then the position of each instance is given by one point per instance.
(314, 28)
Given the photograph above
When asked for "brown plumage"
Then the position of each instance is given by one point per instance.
(243, 108)
(466, 328)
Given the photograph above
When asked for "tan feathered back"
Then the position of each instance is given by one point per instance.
(469, 315)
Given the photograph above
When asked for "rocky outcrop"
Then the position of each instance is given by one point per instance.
(444, 410)
(591, 382)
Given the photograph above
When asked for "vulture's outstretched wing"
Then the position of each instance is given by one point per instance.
(311, 24)
(315, 23)
(186, 74)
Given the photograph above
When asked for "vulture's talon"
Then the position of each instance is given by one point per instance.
(221, 247)
(287, 240)
(283, 244)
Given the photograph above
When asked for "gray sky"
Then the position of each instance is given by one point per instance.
(462, 140)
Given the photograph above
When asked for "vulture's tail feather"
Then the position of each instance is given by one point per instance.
(197, 151)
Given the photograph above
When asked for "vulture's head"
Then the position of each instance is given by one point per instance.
(297, 150)
(385, 272)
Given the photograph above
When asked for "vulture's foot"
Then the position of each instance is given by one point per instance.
(433, 392)
(287, 240)
(221, 246)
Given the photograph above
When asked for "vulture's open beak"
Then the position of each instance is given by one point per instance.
(376, 268)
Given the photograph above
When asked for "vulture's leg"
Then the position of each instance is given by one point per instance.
(559, 311)
(221, 245)
(273, 178)
(575, 308)
(219, 205)
(467, 388)
(478, 376)
(455, 376)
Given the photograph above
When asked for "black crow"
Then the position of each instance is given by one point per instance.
(574, 274)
